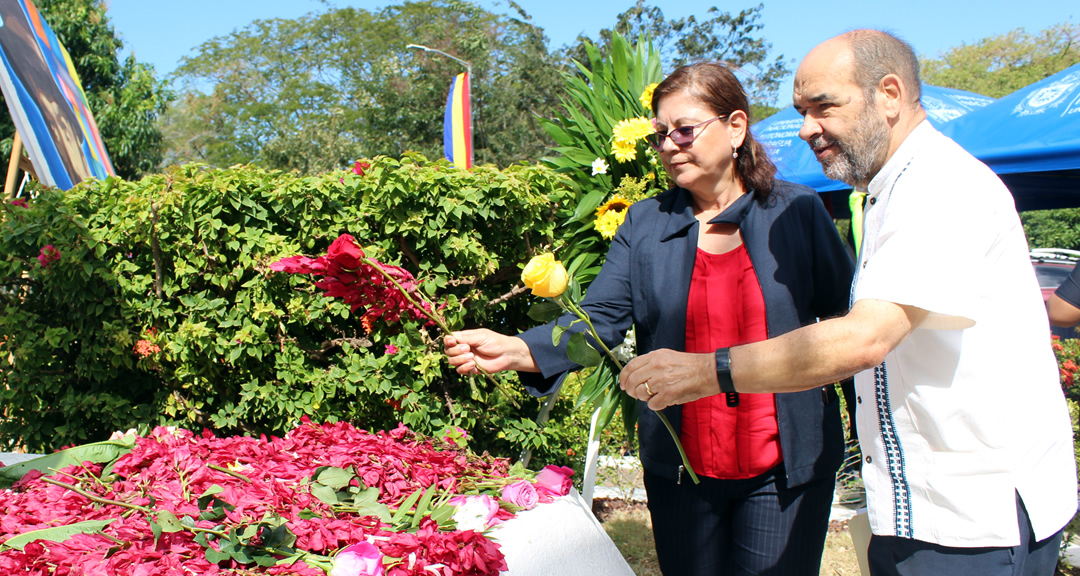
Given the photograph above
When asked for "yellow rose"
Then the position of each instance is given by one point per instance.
(545, 276)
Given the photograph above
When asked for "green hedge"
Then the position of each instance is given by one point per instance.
(181, 260)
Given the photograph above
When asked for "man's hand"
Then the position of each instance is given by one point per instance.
(664, 378)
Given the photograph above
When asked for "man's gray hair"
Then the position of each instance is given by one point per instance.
(878, 54)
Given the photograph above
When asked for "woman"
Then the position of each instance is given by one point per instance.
(728, 255)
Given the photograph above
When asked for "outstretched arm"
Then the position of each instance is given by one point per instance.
(809, 357)
(495, 352)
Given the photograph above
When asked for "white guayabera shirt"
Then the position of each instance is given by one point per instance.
(967, 411)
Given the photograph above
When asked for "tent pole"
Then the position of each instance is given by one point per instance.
(13, 166)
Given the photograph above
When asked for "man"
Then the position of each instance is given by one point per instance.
(1064, 304)
(966, 439)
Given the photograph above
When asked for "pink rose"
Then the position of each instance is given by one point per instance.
(553, 481)
(522, 494)
(360, 559)
(476, 513)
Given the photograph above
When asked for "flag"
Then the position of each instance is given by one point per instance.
(457, 131)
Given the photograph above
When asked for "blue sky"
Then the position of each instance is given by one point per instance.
(160, 32)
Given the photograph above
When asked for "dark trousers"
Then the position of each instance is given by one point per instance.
(746, 527)
(892, 556)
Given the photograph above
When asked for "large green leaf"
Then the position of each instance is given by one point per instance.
(98, 453)
(57, 534)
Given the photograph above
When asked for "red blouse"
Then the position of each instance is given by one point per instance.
(726, 308)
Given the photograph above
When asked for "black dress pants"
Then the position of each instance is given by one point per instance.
(755, 526)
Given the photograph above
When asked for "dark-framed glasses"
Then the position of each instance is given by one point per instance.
(681, 137)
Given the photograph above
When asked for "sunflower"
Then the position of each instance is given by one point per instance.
(610, 215)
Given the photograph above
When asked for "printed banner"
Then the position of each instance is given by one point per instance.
(46, 100)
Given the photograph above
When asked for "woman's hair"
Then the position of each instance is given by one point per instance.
(718, 88)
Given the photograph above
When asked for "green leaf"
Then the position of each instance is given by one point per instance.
(556, 334)
(443, 515)
(336, 478)
(367, 503)
(217, 557)
(545, 311)
(169, 522)
(57, 534)
(98, 452)
(405, 507)
(579, 351)
(423, 506)
(325, 493)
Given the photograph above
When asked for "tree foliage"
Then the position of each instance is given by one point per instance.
(1000, 65)
(314, 93)
(125, 96)
(1052, 228)
(721, 36)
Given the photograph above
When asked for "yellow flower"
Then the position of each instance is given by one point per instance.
(545, 276)
(625, 136)
(610, 215)
(609, 223)
(646, 96)
(623, 151)
(633, 129)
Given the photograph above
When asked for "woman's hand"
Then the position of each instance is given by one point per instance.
(494, 352)
(665, 378)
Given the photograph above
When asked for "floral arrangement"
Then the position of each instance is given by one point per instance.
(325, 499)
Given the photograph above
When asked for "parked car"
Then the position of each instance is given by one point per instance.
(1052, 266)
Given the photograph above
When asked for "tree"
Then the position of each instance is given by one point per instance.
(723, 37)
(1000, 65)
(315, 93)
(125, 98)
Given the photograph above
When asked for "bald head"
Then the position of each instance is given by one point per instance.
(868, 56)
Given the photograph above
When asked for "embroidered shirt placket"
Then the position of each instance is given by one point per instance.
(890, 439)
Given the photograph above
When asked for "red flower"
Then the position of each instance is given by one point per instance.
(20, 202)
(145, 348)
(48, 255)
(360, 167)
(1069, 365)
(347, 273)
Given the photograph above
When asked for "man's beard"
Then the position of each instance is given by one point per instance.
(861, 154)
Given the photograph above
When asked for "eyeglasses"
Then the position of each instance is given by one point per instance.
(681, 137)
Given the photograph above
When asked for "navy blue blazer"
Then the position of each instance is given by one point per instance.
(804, 272)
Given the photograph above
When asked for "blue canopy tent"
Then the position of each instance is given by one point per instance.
(779, 134)
(1031, 138)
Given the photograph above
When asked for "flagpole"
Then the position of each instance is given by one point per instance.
(468, 73)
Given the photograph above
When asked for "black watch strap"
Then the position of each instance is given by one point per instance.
(723, 371)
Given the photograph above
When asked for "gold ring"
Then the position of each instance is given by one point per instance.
(649, 390)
